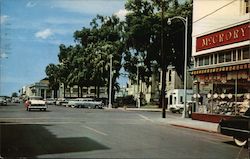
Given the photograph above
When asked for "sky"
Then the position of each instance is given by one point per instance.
(32, 30)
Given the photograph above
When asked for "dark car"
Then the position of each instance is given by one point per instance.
(238, 127)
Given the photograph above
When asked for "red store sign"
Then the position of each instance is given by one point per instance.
(228, 36)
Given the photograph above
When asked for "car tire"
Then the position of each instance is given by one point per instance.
(240, 141)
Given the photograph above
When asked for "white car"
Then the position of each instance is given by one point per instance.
(85, 103)
(36, 102)
(3, 101)
(177, 108)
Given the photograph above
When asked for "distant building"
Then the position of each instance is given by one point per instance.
(40, 88)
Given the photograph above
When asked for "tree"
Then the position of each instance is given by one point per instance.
(144, 35)
(52, 71)
(14, 94)
(102, 40)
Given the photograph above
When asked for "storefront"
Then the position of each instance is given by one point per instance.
(221, 71)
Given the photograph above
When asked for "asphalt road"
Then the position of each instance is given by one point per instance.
(64, 132)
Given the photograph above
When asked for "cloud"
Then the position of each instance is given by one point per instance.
(3, 18)
(30, 4)
(44, 34)
(122, 13)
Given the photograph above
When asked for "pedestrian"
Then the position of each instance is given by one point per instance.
(27, 103)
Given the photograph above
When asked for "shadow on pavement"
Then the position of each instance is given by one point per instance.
(20, 140)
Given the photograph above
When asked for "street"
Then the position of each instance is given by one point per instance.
(63, 132)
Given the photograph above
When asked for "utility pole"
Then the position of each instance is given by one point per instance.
(164, 68)
(138, 88)
(185, 22)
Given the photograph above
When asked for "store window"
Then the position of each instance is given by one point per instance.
(239, 54)
(206, 60)
(221, 58)
(234, 55)
(200, 61)
(215, 59)
(228, 56)
(246, 53)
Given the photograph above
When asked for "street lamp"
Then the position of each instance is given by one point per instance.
(138, 88)
(185, 22)
(110, 82)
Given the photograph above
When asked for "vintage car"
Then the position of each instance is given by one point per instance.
(51, 101)
(36, 102)
(85, 103)
(238, 127)
(61, 101)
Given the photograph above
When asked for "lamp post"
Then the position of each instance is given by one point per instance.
(185, 22)
(110, 82)
(138, 88)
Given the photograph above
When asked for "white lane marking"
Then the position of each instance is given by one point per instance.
(144, 117)
(38, 123)
(96, 131)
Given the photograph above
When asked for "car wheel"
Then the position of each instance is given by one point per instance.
(240, 141)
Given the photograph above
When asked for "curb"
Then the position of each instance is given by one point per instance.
(141, 109)
(195, 128)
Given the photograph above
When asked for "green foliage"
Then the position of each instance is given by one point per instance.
(143, 35)
(14, 94)
(137, 40)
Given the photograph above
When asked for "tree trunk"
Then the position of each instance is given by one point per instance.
(81, 91)
(78, 91)
(55, 93)
(64, 90)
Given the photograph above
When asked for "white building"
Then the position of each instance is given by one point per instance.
(174, 88)
(40, 88)
(221, 52)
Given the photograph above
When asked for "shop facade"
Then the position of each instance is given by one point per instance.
(221, 73)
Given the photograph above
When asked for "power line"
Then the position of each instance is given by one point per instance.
(213, 11)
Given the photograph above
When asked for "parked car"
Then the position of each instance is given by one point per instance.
(15, 100)
(176, 108)
(35, 102)
(85, 103)
(50, 101)
(238, 127)
(61, 101)
(3, 101)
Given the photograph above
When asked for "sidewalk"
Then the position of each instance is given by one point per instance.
(178, 120)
